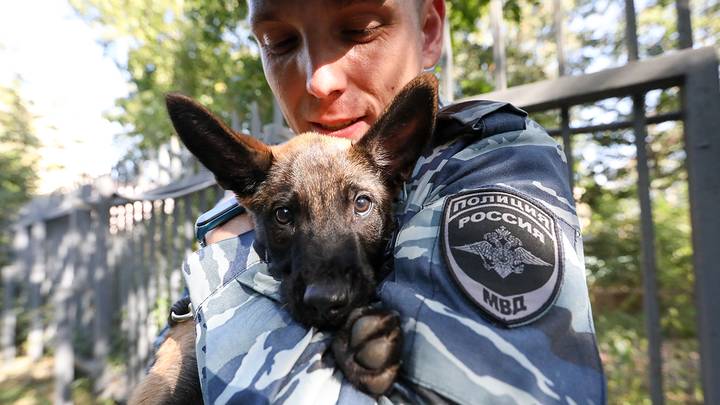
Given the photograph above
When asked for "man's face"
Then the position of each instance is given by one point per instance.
(334, 65)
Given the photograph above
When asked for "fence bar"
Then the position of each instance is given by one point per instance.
(143, 288)
(496, 24)
(631, 40)
(134, 260)
(178, 242)
(277, 113)
(154, 267)
(168, 254)
(101, 284)
(37, 276)
(205, 203)
(614, 126)
(188, 223)
(447, 78)
(9, 314)
(118, 242)
(647, 242)
(64, 295)
(567, 144)
(162, 256)
(564, 110)
(647, 248)
(701, 105)
(83, 292)
(684, 24)
(10, 275)
(558, 14)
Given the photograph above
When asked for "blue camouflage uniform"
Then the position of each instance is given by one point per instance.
(488, 278)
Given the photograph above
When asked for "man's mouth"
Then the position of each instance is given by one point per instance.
(351, 128)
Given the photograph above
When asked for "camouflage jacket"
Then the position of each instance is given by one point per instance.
(488, 278)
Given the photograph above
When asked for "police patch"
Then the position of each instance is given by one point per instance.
(504, 251)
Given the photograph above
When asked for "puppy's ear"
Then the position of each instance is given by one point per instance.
(396, 140)
(239, 162)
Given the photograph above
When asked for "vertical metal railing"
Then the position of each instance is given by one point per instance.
(497, 26)
(701, 109)
(648, 260)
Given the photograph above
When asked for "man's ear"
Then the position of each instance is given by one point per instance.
(396, 140)
(432, 21)
(239, 162)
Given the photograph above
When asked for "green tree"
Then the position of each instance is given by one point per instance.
(473, 47)
(205, 50)
(202, 49)
(18, 160)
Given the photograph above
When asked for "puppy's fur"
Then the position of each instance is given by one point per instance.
(173, 379)
(322, 209)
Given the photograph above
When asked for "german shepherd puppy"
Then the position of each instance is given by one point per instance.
(322, 209)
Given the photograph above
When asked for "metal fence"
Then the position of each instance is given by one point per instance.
(95, 270)
(94, 274)
(695, 72)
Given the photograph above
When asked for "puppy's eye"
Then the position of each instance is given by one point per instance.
(363, 205)
(283, 215)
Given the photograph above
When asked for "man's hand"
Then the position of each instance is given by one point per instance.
(234, 227)
(368, 348)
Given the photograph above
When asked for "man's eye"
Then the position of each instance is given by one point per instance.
(363, 205)
(362, 33)
(283, 215)
(279, 45)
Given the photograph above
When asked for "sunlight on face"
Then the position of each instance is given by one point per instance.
(335, 64)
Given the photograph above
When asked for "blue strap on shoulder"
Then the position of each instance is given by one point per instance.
(227, 209)
(479, 117)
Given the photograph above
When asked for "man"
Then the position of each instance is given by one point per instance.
(488, 266)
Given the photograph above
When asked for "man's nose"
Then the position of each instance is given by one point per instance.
(325, 80)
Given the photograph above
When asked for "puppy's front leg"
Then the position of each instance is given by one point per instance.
(173, 379)
(368, 349)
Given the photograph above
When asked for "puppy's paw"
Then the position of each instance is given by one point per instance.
(368, 349)
(180, 311)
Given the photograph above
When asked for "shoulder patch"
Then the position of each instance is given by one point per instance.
(504, 251)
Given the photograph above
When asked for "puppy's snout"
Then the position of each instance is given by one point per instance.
(325, 299)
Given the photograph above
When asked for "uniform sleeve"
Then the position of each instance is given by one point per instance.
(489, 276)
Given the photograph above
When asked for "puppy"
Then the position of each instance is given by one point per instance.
(322, 209)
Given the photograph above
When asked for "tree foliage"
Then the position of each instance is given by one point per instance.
(202, 49)
(18, 159)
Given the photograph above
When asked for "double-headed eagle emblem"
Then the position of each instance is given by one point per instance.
(502, 252)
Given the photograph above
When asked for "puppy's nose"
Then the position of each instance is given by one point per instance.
(324, 299)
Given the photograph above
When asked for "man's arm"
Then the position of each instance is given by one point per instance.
(231, 229)
(489, 277)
